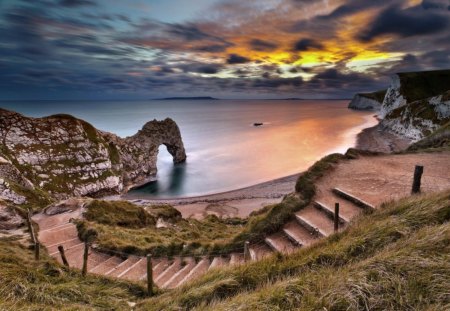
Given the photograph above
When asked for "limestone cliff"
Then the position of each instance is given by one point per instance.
(367, 101)
(417, 103)
(66, 156)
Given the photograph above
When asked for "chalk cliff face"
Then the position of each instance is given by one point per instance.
(66, 156)
(367, 101)
(416, 104)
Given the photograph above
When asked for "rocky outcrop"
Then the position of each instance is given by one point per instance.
(9, 218)
(417, 103)
(66, 156)
(367, 101)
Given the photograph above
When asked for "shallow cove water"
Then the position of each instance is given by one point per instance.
(225, 150)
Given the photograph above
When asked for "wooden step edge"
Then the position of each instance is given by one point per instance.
(167, 270)
(349, 197)
(197, 267)
(61, 243)
(310, 227)
(129, 268)
(118, 266)
(104, 262)
(293, 239)
(182, 270)
(329, 212)
(273, 246)
(67, 250)
(58, 227)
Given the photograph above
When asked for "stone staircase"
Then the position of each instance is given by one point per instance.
(306, 227)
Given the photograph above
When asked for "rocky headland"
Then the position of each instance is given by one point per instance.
(367, 101)
(62, 156)
(415, 105)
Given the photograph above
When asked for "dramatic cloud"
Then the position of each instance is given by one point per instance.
(229, 48)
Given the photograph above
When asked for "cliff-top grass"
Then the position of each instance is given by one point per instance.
(396, 258)
(129, 228)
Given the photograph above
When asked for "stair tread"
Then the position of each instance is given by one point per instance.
(201, 268)
(96, 258)
(280, 243)
(137, 270)
(168, 272)
(189, 264)
(53, 250)
(347, 209)
(217, 262)
(107, 265)
(259, 251)
(130, 261)
(236, 258)
(58, 236)
(300, 234)
(318, 219)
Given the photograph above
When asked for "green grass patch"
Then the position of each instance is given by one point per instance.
(396, 258)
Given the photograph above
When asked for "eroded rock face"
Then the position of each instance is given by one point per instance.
(66, 156)
(360, 102)
(417, 103)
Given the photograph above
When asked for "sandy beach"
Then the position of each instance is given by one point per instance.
(241, 202)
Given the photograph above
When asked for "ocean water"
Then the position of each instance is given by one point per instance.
(224, 150)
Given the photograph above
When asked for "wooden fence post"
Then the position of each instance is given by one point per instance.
(149, 275)
(30, 228)
(37, 247)
(63, 256)
(336, 217)
(418, 171)
(85, 258)
(246, 251)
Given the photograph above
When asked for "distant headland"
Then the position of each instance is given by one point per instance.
(189, 98)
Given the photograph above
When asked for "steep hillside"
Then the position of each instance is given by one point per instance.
(397, 258)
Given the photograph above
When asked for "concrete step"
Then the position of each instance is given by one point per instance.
(158, 268)
(58, 236)
(189, 264)
(236, 259)
(330, 212)
(135, 271)
(74, 256)
(280, 243)
(200, 269)
(168, 272)
(352, 198)
(96, 258)
(218, 262)
(107, 265)
(347, 209)
(259, 251)
(123, 266)
(315, 221)
(53, 250)
(298, 234)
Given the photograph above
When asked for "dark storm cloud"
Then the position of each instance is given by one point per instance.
(262, 45)
(237, 59)
(76, 3)
(405, 23)
(307, 44)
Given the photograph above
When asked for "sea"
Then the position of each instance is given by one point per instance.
(225, 151)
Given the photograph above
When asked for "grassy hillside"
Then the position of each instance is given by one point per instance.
(397, 258)
(438, 140)
(424, 84)
(28, 285)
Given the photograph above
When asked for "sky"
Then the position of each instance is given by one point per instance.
(136, 49)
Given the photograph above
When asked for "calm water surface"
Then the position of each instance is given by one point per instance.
(225, 151)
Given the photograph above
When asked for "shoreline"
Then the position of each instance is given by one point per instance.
(242, 201)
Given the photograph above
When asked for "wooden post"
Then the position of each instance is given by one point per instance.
(30, 228)
(85, 258)
(336, 217)
(418, 171)
(149, 275)
(37, 247)
(246, 251)
(63, 256)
